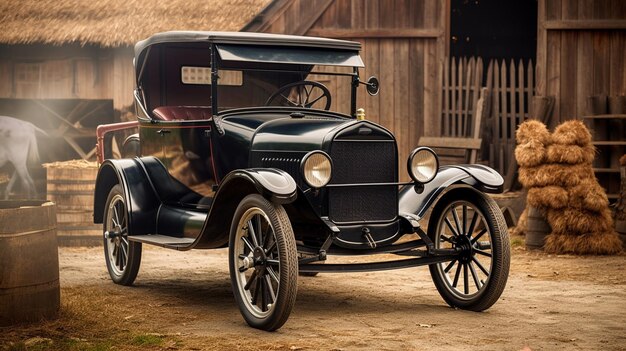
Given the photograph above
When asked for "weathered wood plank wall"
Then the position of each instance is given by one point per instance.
(403, 44)
(581, 45)
(67, 72)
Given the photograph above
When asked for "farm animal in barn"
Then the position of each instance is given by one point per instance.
(18, 145)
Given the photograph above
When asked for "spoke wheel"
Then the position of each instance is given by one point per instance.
(263, 263)
(122, 256)
(301, 94)
(470, 222)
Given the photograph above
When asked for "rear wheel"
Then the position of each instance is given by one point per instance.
(471, 222)
(122, 256)
(263, 262)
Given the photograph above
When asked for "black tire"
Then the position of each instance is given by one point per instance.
(443, 229)
(263, 265)
(123, 257)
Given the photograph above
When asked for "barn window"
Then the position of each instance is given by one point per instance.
(28, 72)
(202, 76)
(27, 80)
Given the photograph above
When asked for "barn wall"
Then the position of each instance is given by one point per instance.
(581, 45)
(66, 72)
(403, 45)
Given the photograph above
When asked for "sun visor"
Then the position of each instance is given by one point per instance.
(290, 55)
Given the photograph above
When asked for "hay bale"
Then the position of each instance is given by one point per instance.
(530, 154)
(570, 154)
(573, 221)
(588, 195)
(562, 175)
(602, 243)
(533, 130)
(71, 164)
(572, 132)
(553, 197)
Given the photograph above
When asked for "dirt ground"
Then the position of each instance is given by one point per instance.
(183, 301)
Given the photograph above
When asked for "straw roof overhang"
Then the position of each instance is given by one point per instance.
(113, 23)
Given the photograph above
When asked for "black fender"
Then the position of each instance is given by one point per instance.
(140, 197)
(274, 184)
(415, 199)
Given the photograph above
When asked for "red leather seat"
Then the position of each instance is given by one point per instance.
(182, 113)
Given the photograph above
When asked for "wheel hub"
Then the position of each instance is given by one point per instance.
(259, 257)
(464, 243)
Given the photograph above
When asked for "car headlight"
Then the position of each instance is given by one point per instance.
(423, 165)
(316, 168)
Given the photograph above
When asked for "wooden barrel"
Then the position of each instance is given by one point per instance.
(71, 186)
(29, 262)
(537, 229)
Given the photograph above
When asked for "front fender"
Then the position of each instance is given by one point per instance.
(275, 185)
(417, 199)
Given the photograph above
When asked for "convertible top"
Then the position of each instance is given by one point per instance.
(247, 46)
(243, 38)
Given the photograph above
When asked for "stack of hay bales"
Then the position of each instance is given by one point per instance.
(557, 171)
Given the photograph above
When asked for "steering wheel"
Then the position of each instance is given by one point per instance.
(304, 93)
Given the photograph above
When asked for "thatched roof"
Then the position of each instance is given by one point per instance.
(112, 23)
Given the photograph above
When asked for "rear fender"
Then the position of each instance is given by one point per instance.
(141, 199)
(275, 185)
(415, 200)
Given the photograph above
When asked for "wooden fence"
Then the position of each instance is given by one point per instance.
(462, 80)
(510, 90)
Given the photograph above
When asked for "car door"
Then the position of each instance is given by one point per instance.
(184, 148)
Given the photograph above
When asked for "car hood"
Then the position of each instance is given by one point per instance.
(296, 134)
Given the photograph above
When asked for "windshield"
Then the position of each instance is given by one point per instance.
(318, 87)
(181, 75)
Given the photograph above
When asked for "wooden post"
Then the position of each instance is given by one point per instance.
(542, 107)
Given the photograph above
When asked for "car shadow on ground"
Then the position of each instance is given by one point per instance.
(315, 295)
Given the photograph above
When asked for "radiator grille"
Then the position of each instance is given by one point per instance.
(363, 161)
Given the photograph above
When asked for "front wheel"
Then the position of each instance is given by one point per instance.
(471, 223)
(263, 262)
(122, 256)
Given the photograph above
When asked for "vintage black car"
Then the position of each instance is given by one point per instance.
(238, 147)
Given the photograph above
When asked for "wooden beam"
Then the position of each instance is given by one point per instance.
(313, 17)
(584, 24)
(376, 33)
(451, 143)
(263, 20)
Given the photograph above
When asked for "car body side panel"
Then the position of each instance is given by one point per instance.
(144, 205)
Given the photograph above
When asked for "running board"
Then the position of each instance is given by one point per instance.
(166, 241)
(373, 266)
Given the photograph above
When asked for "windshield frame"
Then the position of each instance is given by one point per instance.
(216, 63)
